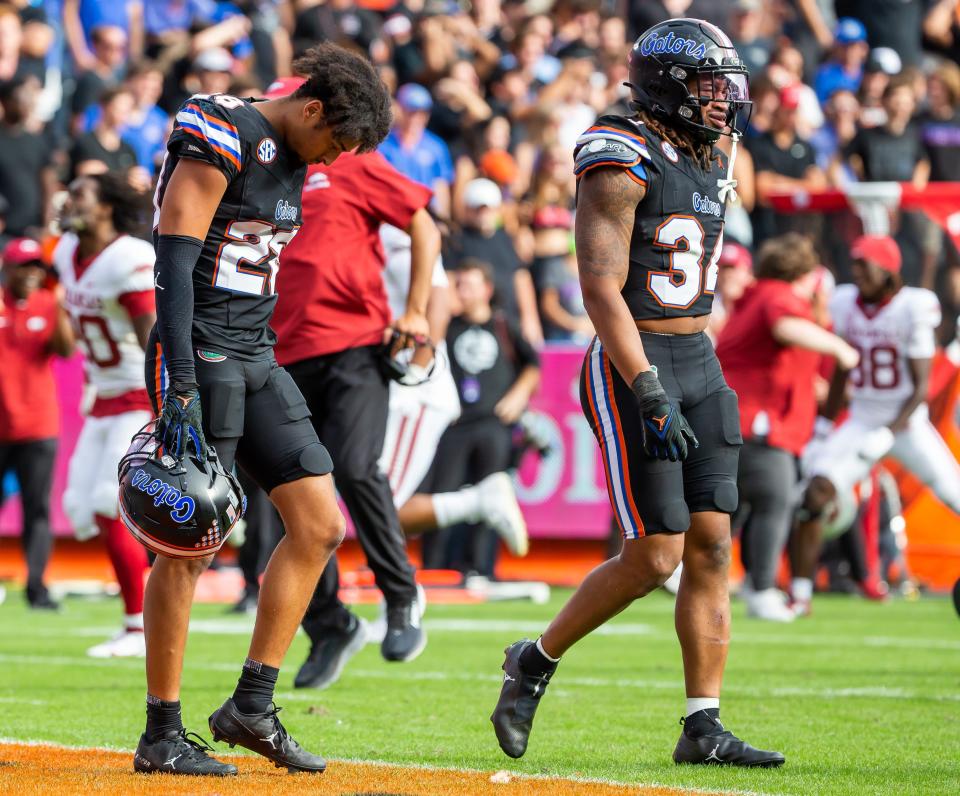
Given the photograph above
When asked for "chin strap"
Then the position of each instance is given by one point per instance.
(728, 186)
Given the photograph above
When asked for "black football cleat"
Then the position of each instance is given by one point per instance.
(179, 752)
(329, 655)
(519, 697)
(720, 747)
(264, 734)
(405, 637)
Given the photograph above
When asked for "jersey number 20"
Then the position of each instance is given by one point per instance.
(682, 285)
(248, 260)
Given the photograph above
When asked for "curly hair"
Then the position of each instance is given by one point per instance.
(356, 103)
(702, 153)
(129, 207)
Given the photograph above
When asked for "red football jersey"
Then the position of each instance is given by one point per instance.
(330, 283)
(768, 377)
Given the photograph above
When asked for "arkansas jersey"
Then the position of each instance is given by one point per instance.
(396, 269)
(887, 336)
(234, 279)
(101, 297)
(678, 228)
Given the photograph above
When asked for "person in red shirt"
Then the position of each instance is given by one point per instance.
(34, 328)
(332, 319)
(770, 351)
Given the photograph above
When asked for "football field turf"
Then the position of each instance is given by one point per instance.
(862, 698)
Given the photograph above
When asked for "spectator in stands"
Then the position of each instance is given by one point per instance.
(103, 148)
(496, 372)
(783, 162)
(27, 175)
(82, 19)
(845, 67)
(416, 152)
(831, 140)
(882, 65)
(734, 276)
(891, 23)
(940, 124)
(146, 127)
(103, 70)
(34, 328)
(483, 238)
(746, 32)
(769, 350)
(941, 28)
(11, 39)
(893, 151)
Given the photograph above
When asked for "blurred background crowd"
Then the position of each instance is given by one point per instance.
(490, 97)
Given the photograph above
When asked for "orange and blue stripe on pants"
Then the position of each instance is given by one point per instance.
(600, 406)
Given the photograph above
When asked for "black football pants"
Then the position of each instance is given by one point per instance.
(32, 461)
(348, 396)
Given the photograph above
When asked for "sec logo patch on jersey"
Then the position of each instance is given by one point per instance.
(669, 151)
(266, 151)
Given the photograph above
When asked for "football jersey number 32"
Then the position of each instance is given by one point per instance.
(249, 258)
(682, 285)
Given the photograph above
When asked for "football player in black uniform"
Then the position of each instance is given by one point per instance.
(649, 231)
(228, 201)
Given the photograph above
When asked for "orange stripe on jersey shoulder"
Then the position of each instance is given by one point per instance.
(597, 128)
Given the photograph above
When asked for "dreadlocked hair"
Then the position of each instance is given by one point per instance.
(701, 153)
(356, 103)
(129, 207)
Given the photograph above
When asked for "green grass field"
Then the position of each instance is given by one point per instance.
(862, 698)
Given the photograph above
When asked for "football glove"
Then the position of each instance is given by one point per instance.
(181, 422)
(666, 433)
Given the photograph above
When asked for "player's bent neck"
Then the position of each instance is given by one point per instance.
(685, 325)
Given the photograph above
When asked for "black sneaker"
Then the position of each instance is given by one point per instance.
(42, 601)
(405, 637)
(720, 747)
(329, 655)
(179, 752)
(519, 697)
(264, 734)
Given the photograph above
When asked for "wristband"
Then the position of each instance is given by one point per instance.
(650, 393)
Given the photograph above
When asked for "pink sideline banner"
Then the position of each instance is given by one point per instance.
(563, 495)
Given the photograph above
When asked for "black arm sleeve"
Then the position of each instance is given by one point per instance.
(177, 256)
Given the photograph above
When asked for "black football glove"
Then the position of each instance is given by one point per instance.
(181, 422)
(665, 431)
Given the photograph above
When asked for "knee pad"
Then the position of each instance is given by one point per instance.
(726, 498)
(104, 501)
(674, 516)
(315, 459)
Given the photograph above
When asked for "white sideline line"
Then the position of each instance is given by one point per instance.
(852, 692)
(413, 767)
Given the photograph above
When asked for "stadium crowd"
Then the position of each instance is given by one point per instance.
(489, 99)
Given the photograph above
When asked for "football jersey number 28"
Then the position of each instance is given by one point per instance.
(248, 260)
(682, 285)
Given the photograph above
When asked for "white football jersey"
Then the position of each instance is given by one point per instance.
(396, 272)
(114, 360)
(887, 336)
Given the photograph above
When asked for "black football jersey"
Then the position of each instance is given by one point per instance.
(678, 228)
(233, 282)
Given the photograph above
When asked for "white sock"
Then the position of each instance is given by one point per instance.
(133, 621)
(544, 653)
(802, 589)
(696, 704)
(463, 505)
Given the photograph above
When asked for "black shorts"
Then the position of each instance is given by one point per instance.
(648, 495)
(253, 415)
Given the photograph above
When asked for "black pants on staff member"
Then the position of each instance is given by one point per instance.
(33, 461)
(348, 396)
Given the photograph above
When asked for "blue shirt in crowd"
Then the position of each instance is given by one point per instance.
(426, 162)
(148, 138)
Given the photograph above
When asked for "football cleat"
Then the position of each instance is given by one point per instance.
(519, 697)
(720, 747)
(329, 655)
(264, 734)
(179, 752)
(405, 638)
(498, 501)
(125, 644)
(769, 605)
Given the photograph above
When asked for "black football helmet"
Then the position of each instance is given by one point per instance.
(178, 507)
(668, 56)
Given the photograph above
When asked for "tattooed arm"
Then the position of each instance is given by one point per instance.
(606, 202)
